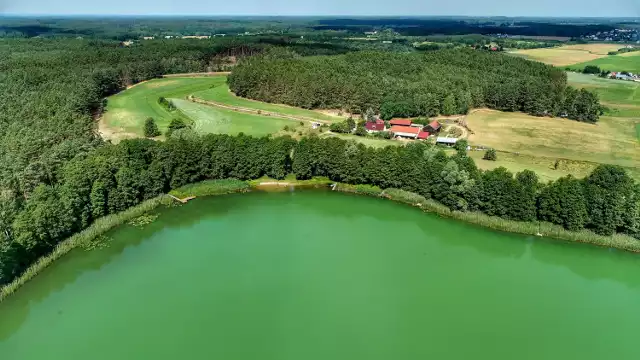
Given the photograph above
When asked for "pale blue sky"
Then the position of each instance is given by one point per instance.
(626, 8)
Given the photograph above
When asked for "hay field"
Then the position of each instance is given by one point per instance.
(568, 54)
(612, 140)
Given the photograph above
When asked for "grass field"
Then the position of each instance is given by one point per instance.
(612, 140)
(208, 119)
(568, 54)
(622, 98)
(624, 62)
(126, 112)
(220, 93)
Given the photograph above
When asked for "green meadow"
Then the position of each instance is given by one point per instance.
(622, 62)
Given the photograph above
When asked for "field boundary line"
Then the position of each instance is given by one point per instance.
(255, 111)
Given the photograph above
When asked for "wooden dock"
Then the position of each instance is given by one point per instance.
(184, 201)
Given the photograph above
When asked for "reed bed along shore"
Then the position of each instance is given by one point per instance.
(85, 237)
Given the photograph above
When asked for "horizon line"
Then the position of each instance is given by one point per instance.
(320, 15)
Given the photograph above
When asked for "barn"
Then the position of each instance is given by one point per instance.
(405, 131)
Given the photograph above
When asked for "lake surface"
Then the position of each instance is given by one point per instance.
(319, 275)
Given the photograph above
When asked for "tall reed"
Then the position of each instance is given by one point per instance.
(99, 227)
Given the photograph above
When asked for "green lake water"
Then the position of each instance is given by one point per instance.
(318, 275)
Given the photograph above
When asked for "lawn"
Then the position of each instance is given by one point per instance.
(568, 54)
(624, 62)
(209, 119)
(220, 93)
(612, 140)
(622, 98)
(126, 112)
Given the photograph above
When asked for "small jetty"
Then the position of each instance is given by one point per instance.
(184, 201)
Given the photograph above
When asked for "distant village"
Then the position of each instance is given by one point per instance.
(621, 35)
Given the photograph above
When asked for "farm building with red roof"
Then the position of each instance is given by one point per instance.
(405, 131)
(374, 126)
(433, 127)
(401, 122)
(422, 135)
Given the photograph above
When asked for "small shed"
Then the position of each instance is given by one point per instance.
(446, 141)
(423, 135)
(433, 127)
(405, 131)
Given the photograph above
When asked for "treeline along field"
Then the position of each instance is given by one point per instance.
(443, 82)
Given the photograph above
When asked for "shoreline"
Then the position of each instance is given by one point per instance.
(228, 186)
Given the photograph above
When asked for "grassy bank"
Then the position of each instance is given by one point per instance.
(548, 230)
(211, 187)
(85, 237)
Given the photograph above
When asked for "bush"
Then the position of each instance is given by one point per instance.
(361, 131)
(176, 124)
(150, 128)
(490, 155)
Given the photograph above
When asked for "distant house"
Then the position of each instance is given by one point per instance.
(376, 126)
(400, 122)
(433, 127)
(405, 131)
(148, 38)
(621, 76)
(423, 135)
(446, 141)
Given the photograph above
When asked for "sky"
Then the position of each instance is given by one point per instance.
(560, 8)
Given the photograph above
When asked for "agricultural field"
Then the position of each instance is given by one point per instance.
(622, 98)
(612, 140)
(624, 62)
(126, 112)
(568, 54)
(221, 94)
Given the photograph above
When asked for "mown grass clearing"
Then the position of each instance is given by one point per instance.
(209, 119)
(624, 62)
(126, 112)
(622, 98)
(220, 93)
(612, 140)
(568, 54)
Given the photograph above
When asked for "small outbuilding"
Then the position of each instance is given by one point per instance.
(433, 127)
(423, 135)
(446, 141)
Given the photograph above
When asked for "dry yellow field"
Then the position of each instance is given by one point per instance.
(612, 140)
(568, 54)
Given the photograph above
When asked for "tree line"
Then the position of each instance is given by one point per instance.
(113, 178)
(444, 82)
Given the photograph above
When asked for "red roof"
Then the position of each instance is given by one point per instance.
(402, 122)
(405, 129)
(375, 126)
(423, 135)
(435, 125)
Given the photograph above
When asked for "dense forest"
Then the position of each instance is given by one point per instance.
(57, 175)
(443, 82)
